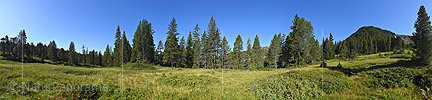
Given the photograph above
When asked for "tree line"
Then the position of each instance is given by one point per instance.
(207, 48)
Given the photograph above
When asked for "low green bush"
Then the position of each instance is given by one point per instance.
(389, 77)
(139, 66)
(299, 85)
(190, 80)
(401, 56)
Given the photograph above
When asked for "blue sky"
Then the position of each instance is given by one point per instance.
(93, 22)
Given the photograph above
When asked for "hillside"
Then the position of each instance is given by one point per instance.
(370, 39)
(366, 77)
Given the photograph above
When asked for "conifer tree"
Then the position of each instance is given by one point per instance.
(107, 60)
(189, 51)
(181, 59)
(273, 52)
(127, 49)
(422, 36)
(196, 47)
(52, 51)
(171, 52)
(204, 52)
(159, 53)
(248, 54)
(257, 54)
(72, 54)
(117, 48)
(238, 47)
(225, 50)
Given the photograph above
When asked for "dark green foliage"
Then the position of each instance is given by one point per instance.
(300, 47)
(117, 55)
(339, 65)
(422, 36)
(257, 58)
(159, 53)
(237, 54)
(213, 45)
(107, 59)
(182, 55)
(52, 51)
(225, 49)
(368, 40)
(143, 46)
(390, 77)
(171, 53)
(197, 47)
(273, 52)
(126, 51)
(138, 66)
(299, 85)
(189, 52)
(190, 81)
(72, 59)
(248, 55)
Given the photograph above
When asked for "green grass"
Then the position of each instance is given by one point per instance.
(365, 77)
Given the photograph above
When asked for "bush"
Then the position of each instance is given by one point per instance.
(339, 65)
(401, 56)
(139, 66)
(390, 77)
(191, 80)
(299, 85)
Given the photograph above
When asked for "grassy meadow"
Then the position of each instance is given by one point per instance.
(375, 76)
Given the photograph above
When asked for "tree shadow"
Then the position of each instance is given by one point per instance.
(353, 71)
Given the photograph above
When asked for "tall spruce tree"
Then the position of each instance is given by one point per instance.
(107, 60)
(248, 54)
(273, 52)
(257, 54)
(72, 54)
(52, 51)
(171, 52)
(204, 50)
(117, 48)
(189, 51)
(196, 47)
(148, 46)
(238, 47)
(137, 44)
(225, 49)
(422, 36)
(214, 43)
(159, 53)
(127, 49)
(182, 57)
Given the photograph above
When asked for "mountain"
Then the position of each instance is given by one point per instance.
(370, 39)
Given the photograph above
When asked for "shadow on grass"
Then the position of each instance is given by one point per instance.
(353, 71)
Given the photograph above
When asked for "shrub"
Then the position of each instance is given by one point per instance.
(299, 85)
(401, 56)
(389, 77)
(191, 80)
(139, 66)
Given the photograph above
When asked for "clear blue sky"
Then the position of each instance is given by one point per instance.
(93, 22)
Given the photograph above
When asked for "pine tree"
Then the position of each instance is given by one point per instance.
(117, 48)
(52, 51)
(182, 59)
(72, 54)
(189, 51)
(225, 50)
(196, 47)
(148, 43)
(137, 45)
(248, 54)
(171, 52)
(159, 53)
(83, 60)
(127, 49)
(238, 47)
(273, 52)
(214, 43)
(107, 60)
(422, 36)
(257, 54)
(204, 52)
